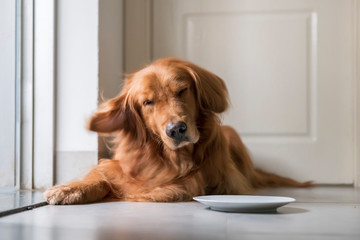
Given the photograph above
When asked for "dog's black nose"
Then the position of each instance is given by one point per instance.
(176, 130)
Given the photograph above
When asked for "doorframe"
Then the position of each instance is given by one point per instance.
(356, 21)
(37, 73)
(138, 15)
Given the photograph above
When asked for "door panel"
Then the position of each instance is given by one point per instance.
(289, 69)
(268, 81)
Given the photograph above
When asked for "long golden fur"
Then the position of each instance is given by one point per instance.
(169, 145)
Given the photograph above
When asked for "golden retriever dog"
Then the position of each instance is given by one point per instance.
(169, 143)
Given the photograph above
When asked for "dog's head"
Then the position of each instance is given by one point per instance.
(163, 100)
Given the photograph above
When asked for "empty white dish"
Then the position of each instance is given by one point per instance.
(243, 203)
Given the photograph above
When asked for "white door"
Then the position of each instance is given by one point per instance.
(289, 67)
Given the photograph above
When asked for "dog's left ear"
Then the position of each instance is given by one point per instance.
(211, 89)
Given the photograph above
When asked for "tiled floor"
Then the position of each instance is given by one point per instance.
(319, 213)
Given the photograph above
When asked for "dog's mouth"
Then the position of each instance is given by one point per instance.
(181, 143)
(177, 144)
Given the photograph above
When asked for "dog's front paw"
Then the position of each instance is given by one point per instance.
(64, 194)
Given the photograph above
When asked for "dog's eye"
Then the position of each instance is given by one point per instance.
(181, 92)
(148, 102)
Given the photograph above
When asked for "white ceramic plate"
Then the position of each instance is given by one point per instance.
(243, 203)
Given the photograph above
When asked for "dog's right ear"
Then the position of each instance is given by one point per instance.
(211, 89)
(116, 115)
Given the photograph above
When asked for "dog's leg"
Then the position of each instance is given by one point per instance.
(171, 193)
(77, 192)
(168, 193)
(94, 187)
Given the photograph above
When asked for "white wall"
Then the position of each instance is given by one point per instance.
(77, 73)
(89, 63)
